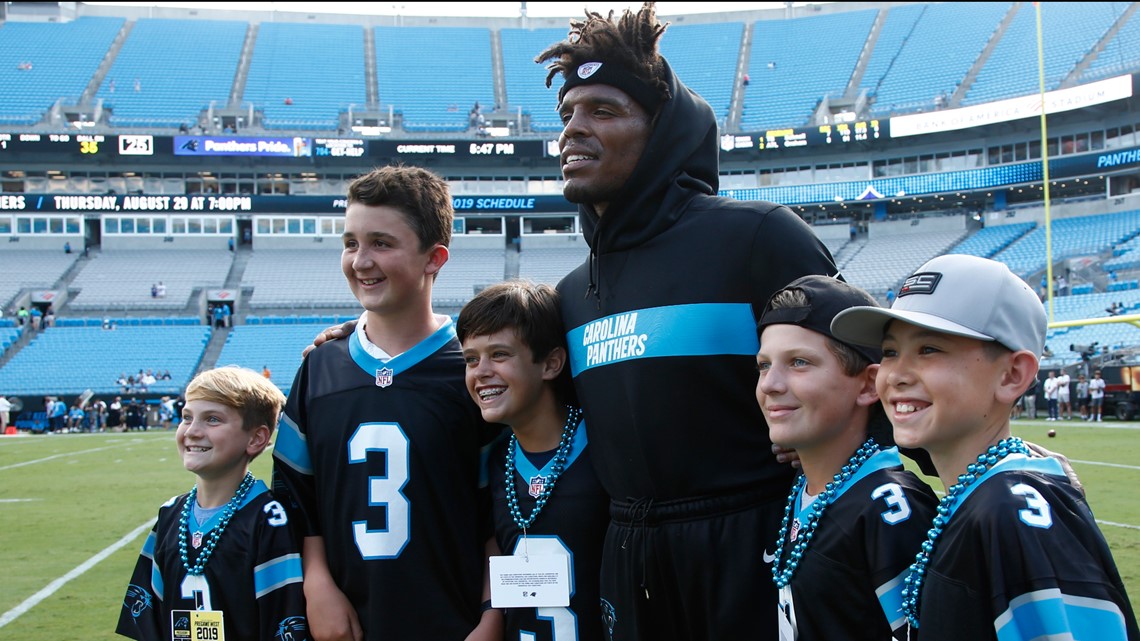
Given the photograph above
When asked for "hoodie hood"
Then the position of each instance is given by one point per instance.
(681, 157)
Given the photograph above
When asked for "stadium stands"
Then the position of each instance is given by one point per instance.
(787, 93)
(1077, 236)
(69, 360)
(925, 50)
(1070, 29)
(526, 80)
(296, 279)
(24, 268)
(62, 59)
(549, 264)
(318, 69)
(121, 280)
(435, 91)
(140, 88)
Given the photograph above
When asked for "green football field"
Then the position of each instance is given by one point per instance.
(76, 509)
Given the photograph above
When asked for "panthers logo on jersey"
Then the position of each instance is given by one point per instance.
(137, 600)
(291, 629)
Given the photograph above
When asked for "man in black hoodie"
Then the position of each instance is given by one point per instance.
(662, 330)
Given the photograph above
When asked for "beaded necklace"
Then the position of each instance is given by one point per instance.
(974, 471)
(573, 417)
(826, 497)
(184, 525)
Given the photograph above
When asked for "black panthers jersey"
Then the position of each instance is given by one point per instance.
(1022, 558)
(848, 585)
(573, 523)
(383, 460)
(253, 576)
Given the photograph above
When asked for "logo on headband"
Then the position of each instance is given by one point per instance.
(588, 69)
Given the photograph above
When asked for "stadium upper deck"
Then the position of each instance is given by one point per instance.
(126, 68)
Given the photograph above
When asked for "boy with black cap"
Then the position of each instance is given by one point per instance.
(854, 516)
(1015, 552)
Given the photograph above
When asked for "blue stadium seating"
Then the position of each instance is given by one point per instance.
(319, 68)
(64, 57)
(435, 90)
(181, 66)
(69, 360)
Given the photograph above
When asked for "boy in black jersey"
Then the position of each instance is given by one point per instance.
(1014, 553)
(380, 445)
(542, 478)
(221, 562)
(854, 516)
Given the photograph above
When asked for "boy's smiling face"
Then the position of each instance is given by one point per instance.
(805, 395)
(503, 378)
(212, 442)
(381, 258)
(939, 389)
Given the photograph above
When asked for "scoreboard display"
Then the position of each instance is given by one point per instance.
(840, 133)
(78, 144)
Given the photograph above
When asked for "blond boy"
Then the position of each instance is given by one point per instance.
(221, 561)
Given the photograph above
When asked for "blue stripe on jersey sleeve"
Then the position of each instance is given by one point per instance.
(700, 329)
(890, 599)
(292, 448)
(274, 574)
(1049, 614)
(156, 583)
(148, 546)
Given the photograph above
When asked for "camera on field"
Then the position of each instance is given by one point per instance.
(1086, 351)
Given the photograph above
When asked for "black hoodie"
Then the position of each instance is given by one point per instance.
(662, 318)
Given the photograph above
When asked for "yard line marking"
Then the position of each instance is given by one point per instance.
(1130, 527)
(1127, 467)
(34, 600)
(18, 500)
(63, 454)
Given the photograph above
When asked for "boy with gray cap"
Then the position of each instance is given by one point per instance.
(854, 516)
(1015, 552)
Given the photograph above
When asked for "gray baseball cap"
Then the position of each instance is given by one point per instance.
(956, 294)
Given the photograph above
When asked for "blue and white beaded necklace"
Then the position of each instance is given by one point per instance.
(212, 542)
(569, 429)
(830, 492)
(913, 584)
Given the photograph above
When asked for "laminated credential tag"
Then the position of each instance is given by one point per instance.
(534, 581)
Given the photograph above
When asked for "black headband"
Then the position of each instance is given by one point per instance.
(597, 73)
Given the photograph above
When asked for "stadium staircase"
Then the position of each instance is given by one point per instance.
(1074, 77)
(219, 337)
(105, 65)
(736, 107)
(967, 82)
(242, 73)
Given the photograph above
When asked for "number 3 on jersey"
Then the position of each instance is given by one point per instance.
(383, 491)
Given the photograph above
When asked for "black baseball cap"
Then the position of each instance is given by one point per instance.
(827, 296)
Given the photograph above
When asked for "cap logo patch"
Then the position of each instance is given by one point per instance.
(588, 69)
(920, 283)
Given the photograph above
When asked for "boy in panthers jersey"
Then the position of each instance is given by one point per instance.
(854, 516)
(1014, 553)
(221, 561)
(380, 449)
(546, 497)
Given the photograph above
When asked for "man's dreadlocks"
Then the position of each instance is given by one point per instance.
(630, 42)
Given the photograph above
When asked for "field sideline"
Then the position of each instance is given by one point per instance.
(76, 508)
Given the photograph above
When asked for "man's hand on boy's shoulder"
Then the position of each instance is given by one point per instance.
(330, 333)
(1062, 459)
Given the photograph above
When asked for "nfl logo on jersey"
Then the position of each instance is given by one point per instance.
(384, 377)
(795, 529)
(537, 485)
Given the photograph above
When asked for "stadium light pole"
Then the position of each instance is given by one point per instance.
(1045, 165)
